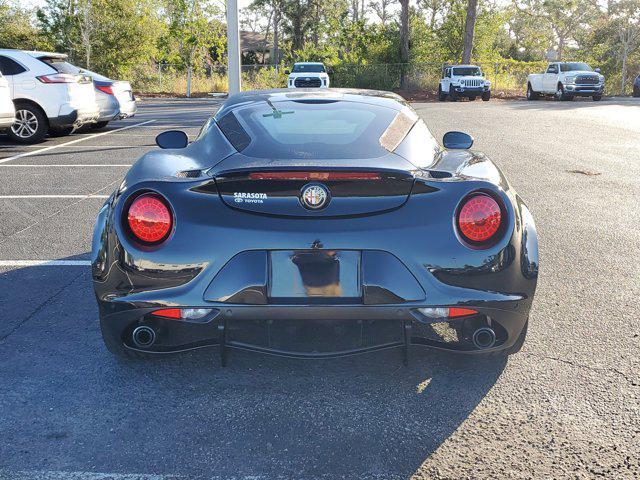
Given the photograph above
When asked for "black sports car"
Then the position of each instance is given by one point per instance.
(314, 224)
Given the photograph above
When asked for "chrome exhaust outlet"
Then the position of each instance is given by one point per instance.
(484, 338)
(143, 337)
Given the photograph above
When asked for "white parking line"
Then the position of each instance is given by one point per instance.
(53, 196)
(44, 263)
(66, 165)
(82, 139)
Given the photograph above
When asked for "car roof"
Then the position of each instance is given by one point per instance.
(470, 66)
(308, 63)
(373, 97)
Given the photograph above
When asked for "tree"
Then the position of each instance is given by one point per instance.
(17, 29)
(469, 29)
(404, 41)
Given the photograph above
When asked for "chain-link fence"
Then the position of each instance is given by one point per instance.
(508, 78)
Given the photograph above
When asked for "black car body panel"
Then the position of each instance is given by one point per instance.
(395, 236)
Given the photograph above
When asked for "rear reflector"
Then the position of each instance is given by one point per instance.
(168, 313)
(447, 312)
(306, 176)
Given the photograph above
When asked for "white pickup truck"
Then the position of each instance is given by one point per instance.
(308, 75)
(464, 81)
(566, 80)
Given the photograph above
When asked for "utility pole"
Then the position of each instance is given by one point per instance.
(233, 47)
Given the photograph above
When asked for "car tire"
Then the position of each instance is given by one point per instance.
(31, 124)
(486, 96)
(471, 99)
(441, 95)
(636, 92)
(531, 94)
(61, 131)
(561, 94)
(452, 95)
(99, 125)
(597, 98)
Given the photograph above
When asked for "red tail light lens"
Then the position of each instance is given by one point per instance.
(58, 78)
(105, 88)
(479, 218)
(149, 218)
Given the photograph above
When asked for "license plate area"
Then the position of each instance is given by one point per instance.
(314, 276)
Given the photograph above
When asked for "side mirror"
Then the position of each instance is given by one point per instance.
(457, 140)
(172, 139)
(598, 70)
(287, 71)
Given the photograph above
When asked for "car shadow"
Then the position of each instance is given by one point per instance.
(70, 405)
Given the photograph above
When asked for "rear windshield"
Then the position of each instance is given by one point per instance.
(60, 65)
(302, 68)
(571, 67)
(310, 129)
(467, 71)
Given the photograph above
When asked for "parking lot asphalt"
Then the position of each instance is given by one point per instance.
(567, 406)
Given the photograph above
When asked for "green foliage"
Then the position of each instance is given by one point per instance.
(17, 29)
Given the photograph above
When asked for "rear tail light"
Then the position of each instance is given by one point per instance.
(105, 89)
(447, 312)
(307, 176)
(193, 314)
(479, 218)
(58, 78)
(149, 218)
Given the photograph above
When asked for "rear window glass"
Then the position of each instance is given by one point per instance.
(304, 129)
(302, 68)
(61, 66)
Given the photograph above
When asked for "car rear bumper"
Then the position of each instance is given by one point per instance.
(315, 331)
(75, 117)
(128, 109)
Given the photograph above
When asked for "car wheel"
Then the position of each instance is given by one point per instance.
(597, 98)
(561, 95)
(31, 125)
(441, 95)
(531, 95)
(636, 92)
(99, 125)
(452, 95)
(60, 132)
(486, 96)
(471, 99)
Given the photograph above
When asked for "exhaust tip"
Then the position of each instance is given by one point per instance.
(143, 337)
(483, 338)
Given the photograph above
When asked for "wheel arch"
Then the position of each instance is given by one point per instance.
(33, 103)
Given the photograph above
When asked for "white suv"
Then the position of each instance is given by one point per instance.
(464, 81)
(7, 111)
(46, 100)
(308, 75)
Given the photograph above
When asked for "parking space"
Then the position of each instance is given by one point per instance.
(568, 406)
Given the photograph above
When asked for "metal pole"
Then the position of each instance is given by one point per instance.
(233, 47)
